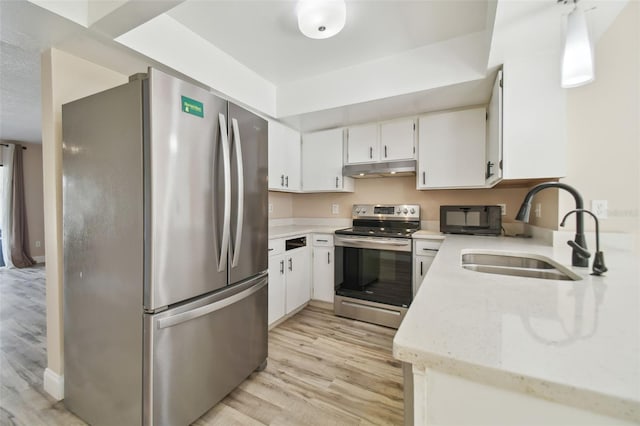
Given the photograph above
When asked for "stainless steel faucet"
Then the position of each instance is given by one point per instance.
(598, 267)
(579, 255)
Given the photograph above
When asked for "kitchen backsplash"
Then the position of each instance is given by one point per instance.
(398, 190)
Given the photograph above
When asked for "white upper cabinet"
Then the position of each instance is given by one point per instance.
(284, 158)
(534, 135)
(362, 144)
(322, 154)
(379, 142)
(493, 167)
(451, 149)
(397, 140)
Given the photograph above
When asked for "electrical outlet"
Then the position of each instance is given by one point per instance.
(38, 243)
(600, 208)
(335, 209)
(270, 207)
(503, 208)
(538, 210)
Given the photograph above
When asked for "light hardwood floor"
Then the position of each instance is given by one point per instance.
(322, 369)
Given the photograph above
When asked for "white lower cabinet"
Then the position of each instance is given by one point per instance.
(424, 251)
(276, 288)
(289, 277)
(298, 278)
(323, 268)
(437, 395)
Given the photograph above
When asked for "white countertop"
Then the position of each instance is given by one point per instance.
(573, 342)
(291, 230)
(427, 235)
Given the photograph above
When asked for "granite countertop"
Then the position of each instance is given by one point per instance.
(573, 342)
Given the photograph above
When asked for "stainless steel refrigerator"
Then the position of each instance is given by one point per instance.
(165, 251)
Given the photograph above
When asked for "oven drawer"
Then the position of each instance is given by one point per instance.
(364, 310)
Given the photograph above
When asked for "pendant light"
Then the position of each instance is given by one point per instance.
(320, 19)
(577, 57)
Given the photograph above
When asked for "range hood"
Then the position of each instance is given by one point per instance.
(372, 170)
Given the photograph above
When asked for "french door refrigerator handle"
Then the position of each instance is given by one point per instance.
(222, 262)
(207, 309)
(240, 217)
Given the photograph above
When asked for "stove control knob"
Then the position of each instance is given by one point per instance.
(357, 211)
(405, 211)
(413, 211)
(364, 211)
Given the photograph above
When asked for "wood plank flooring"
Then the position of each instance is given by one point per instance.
(322, 369)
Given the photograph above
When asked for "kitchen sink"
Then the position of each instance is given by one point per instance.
(517, 264)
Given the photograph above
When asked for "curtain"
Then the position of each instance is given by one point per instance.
(5, 204)
(19, 233)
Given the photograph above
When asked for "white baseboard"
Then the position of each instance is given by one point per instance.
(38, 259)
(54, 384)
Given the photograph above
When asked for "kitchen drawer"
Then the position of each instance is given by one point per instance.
(276, 246)
(323, 240)
(423, 247)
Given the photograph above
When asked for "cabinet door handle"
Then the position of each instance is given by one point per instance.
(385, 151)
(328, 258)
(322, 241)
(424, 178)
(282, 267)
(290, 264)
(489, 172)
(281, 180)
(286, 181)
(421, 273)
(337, 180)
(270, 249)
(370, 152)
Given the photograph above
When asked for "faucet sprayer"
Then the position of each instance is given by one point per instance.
(599, 267)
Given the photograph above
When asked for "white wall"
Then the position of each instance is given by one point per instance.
(450, 62)
(169, 42)
(603, 129)
(64, 78)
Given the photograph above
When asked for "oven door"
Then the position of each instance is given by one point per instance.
(374, 269)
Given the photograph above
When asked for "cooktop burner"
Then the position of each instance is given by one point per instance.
(384, 220)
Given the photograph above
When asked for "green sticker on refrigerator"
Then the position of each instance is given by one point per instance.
(193, 107)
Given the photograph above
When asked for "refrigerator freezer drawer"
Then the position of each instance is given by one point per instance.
(197, 353)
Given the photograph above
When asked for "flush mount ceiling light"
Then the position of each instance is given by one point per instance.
(577, 57)
(321, 18)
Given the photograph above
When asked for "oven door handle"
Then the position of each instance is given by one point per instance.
(387, 243)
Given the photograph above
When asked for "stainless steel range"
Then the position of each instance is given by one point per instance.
(373, 263)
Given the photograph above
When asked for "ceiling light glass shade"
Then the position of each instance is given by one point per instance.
(577, 58)
(321, 18)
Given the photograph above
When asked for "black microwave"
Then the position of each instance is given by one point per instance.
(471, 220)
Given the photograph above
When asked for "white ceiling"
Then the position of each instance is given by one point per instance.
(25, 31)
(261, 38)
(263, 35)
